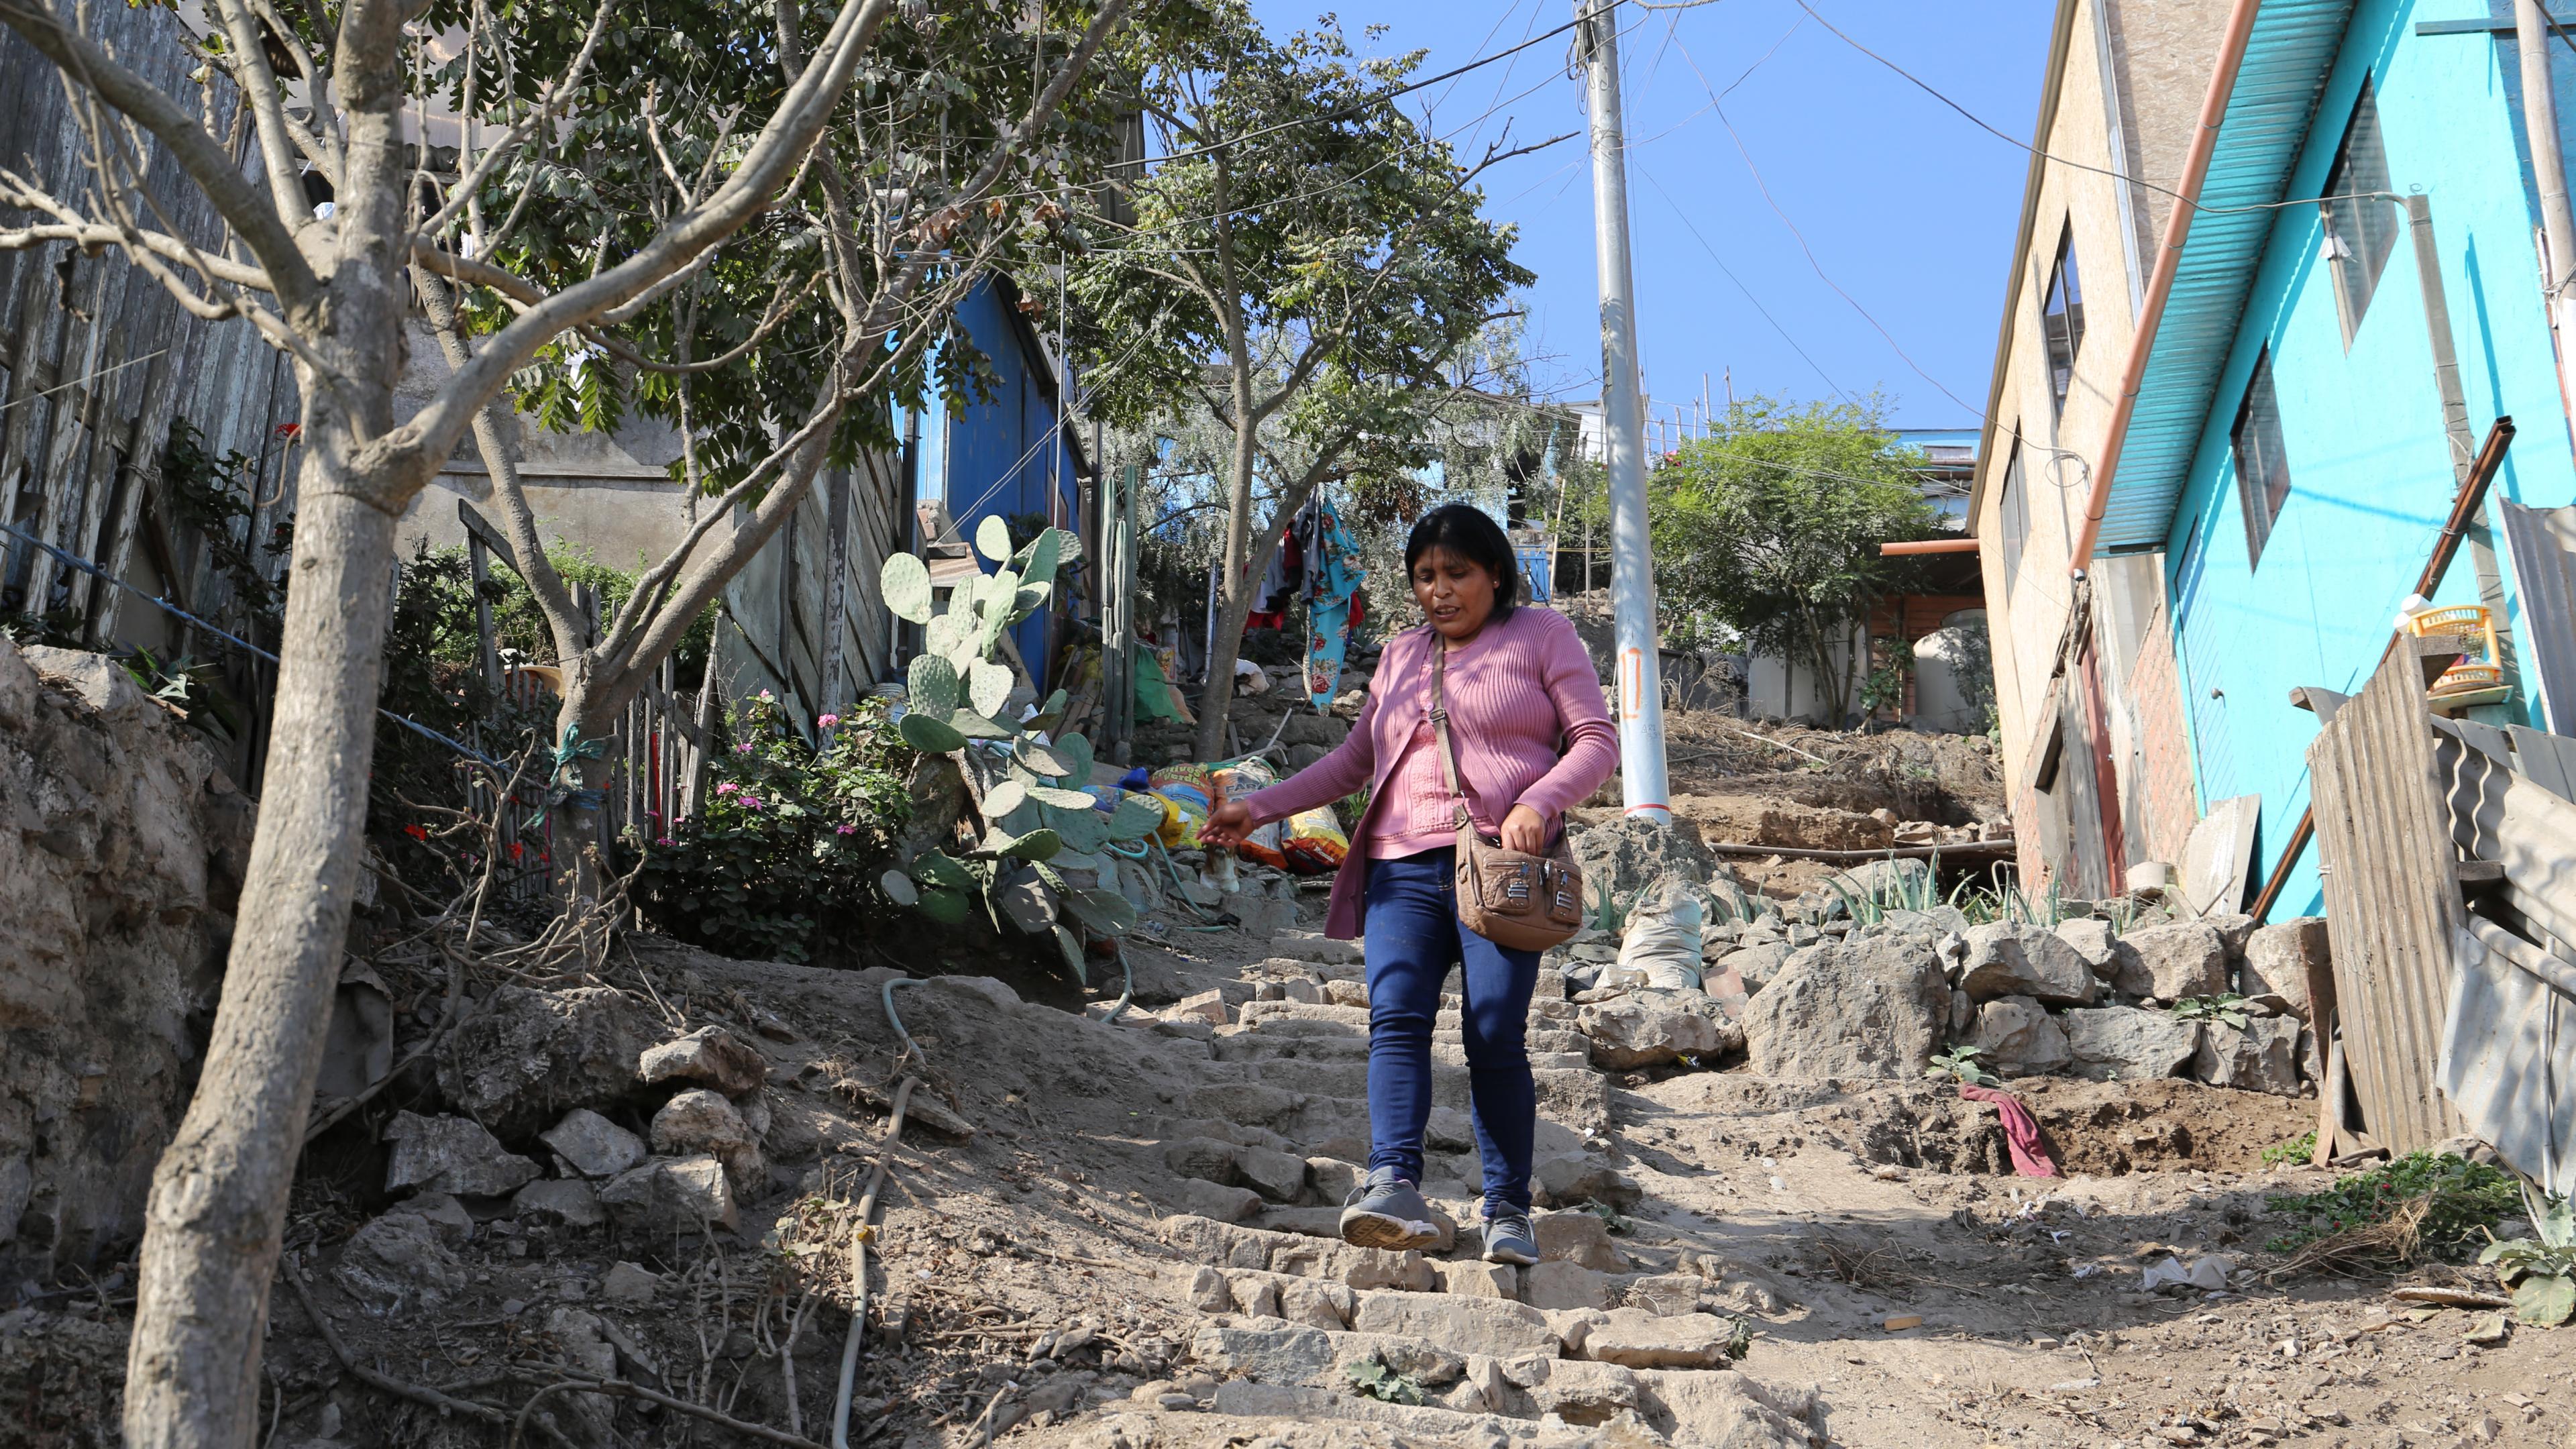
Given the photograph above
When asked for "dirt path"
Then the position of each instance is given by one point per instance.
(1130, 1249)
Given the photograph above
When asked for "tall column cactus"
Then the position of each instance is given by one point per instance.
(1033, 821)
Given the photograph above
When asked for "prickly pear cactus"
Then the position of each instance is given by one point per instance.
(1032, 819)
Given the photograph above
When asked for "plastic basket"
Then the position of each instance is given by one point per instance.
(2470, 626)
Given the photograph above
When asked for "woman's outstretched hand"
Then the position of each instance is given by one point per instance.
(1227, 824)
(1524, 830)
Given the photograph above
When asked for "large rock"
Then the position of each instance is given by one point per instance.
(569, 1201)
(2100, 946)
(451, 1155)
(1651, 1028)
(711, 1056)
(1621, 860)
(2015, 958)
(700, 1120)
(398, 1263)
(2173, 961)
(122, 845)
(1576, 1391)
(669, 1196)
(525, 1057)
(1754, 965)
(2278, 958)
(1561, 1284)
(1571, 1181)
(2264, 1057)
(1577, 1237)
(1726, 1410)
(1638, 1339)
(1867, 1009)
(2129, 1044)
(1463, 1325)
(2016, 1036)
(592, 1145)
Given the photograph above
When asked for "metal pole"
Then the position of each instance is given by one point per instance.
(2455, 423)
(2557, 224)
(1640, 696)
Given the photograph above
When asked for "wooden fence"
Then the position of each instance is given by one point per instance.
(2448, 854)
(657, 757)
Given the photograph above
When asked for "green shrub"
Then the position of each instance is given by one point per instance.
(787, 841)
(2441, 1203)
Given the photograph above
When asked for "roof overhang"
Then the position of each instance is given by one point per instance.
(2271, 108)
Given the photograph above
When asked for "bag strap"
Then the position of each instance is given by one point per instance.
(1440, 726)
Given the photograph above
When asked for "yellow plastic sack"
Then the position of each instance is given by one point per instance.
(1312, 842)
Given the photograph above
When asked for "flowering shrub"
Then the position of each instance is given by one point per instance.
(789, 839)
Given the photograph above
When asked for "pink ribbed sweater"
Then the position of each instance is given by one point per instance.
(1525, 711)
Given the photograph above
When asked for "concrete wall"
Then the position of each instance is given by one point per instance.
(2370, 469)
(2124, 98)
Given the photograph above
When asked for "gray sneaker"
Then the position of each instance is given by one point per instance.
(1509, 1237)
(1385, 1211)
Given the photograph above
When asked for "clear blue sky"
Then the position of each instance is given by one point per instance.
(1906, 204)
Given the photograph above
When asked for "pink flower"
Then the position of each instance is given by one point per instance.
(664, 842)
(727, 788)
(743, 749)
(827, 721)
(847, 829)
(750, 802)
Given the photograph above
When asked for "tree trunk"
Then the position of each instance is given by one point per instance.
(1238, 577)
(218, 1204)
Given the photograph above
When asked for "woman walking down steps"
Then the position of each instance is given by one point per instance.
(1532, 735)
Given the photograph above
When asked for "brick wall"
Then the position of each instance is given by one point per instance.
(2172, 804)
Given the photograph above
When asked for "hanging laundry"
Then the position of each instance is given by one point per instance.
(1333, 576)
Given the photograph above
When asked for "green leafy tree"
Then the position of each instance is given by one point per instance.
(1771, 526)
(1304, 260)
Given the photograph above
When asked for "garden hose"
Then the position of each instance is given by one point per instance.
(860, 1236)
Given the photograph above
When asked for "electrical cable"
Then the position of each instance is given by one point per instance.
(75, 562)
(1729, 272)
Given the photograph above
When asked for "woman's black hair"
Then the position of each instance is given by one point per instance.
(1472, 534)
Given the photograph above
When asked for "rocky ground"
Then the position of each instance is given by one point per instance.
(615, 1202)
(1098, 1234)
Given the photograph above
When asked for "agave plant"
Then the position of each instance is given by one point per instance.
(1034, 821)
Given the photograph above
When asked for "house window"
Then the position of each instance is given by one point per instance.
(2063, 319)
(2015, 508)
(2361, 228)
(2262, 466)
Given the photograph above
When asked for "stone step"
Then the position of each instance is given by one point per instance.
(1279, 1370)
(1446, 1045)
(1314, 946)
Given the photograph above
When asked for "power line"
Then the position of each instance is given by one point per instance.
(1764, 187)
(1693, 229)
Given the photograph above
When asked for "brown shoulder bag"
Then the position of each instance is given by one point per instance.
(1511, 898)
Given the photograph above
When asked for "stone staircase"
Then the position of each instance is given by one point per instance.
(1580, 1349)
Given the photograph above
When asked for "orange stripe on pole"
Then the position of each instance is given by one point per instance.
(1927, 545)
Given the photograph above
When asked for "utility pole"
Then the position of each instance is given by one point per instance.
(1639, 699)
(2557, 227)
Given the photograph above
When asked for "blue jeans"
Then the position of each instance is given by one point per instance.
(1413, 939)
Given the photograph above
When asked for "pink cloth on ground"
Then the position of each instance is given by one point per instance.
(2021, 1130)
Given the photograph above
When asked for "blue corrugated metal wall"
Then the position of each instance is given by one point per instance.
(1004, 455)
(2369, 465)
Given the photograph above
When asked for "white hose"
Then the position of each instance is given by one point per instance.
(860, 1235)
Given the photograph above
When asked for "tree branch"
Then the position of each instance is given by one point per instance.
(259, 225)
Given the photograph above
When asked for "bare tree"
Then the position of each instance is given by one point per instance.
(334, 288)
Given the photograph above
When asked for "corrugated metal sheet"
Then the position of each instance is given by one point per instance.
(2384, 843)
(2269, 112)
